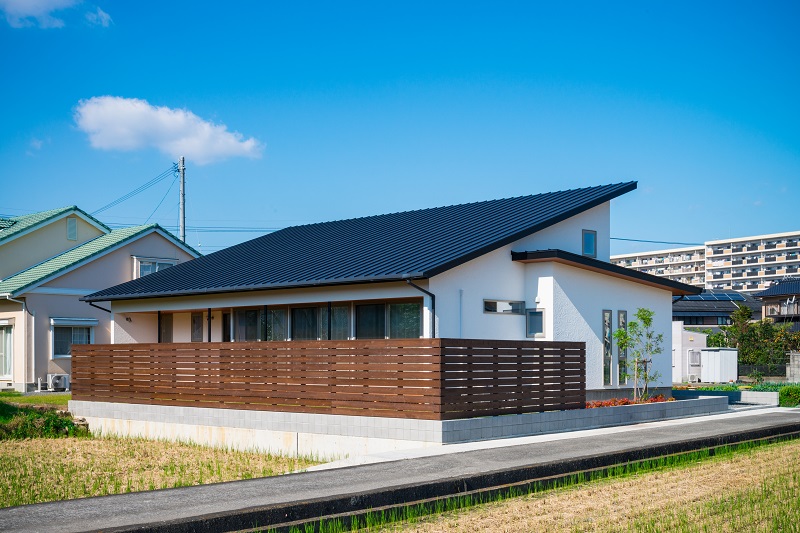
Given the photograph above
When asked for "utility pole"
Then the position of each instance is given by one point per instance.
(182, 171)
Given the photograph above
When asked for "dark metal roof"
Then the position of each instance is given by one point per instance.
(714, 303)
(411, 244)
(785, 287)
(602, 267)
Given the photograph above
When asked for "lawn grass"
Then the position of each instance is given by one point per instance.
(44, 400)
(36, 470)
(744, 488)
(42, 470)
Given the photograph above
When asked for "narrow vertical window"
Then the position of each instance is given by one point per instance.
(5, 351)
(589, 248)
(72, 229)
(165, 327)
(197, 327)
(622, 355)
(607, 332)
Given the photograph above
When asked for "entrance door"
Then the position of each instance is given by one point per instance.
(5, 351)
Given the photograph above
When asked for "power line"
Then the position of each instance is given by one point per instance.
(162, 199)
(657, 242)
(136, 191)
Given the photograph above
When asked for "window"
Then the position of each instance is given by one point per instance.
(607, 347)
(5, 351)
(504, 307)
(589, 247)
(197, 327)
(371, 321)
(340, 322)
(248, 325)
(401, 320)
(405, 321)
(165, 327)
(68, 331)
(305, 323)
(534, 322)
(72, 229)
(277, 329)
(148, 266)
(622, 355)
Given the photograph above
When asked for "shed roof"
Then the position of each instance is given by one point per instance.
(406, 245)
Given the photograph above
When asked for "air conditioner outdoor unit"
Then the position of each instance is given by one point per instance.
(693, 378)
(57, 382)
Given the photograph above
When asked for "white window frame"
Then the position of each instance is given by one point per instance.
(137, 263)
(72, 228)
(55, 322)
(583, 243)
(9, 323)
(543, 333)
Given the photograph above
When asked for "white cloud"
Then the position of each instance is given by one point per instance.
(22, 13)
(99, 18)
(115, 123)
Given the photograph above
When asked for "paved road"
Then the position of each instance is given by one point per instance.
(385, 478)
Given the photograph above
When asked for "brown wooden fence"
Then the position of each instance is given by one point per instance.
(434, 379)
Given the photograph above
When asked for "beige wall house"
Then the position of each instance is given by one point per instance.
(48, 261)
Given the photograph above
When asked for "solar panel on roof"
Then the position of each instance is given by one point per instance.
(715, 297)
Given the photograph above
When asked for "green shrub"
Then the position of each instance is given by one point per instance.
(789, 396)
(26, 423)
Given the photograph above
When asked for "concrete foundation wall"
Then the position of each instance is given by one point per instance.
(334, 436)
(793, 368)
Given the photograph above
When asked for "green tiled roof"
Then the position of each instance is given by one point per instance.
(12, 226)
(17, 283)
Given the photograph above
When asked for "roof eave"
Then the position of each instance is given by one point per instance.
(601, 267)
(97, 297)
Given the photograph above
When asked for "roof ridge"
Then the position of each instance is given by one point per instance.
(465, 204)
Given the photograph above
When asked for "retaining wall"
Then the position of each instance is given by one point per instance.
(333, 436)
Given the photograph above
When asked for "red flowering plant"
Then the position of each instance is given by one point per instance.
(613, 402)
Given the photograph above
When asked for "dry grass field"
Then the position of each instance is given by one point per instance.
(41, 470)
(754, 491)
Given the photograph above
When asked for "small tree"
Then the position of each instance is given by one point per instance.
(641, 343)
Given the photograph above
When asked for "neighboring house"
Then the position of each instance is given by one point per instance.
(781, 302)
(744, 264)
(532, 267)
(712, 308)
(48, 261)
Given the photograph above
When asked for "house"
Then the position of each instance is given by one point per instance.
(712, 308)
(781, 302)
(527, 268)
(48, 260)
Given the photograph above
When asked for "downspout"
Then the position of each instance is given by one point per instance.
(32, 345)
(433, 306)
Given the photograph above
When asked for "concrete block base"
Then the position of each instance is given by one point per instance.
(338, 436)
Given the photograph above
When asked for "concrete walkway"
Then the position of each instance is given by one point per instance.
(369, 482)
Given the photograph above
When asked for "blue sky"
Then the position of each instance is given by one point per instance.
(301, 112)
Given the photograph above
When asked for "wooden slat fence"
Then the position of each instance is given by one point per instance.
(433, 379)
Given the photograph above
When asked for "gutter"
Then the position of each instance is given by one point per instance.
(433, 306)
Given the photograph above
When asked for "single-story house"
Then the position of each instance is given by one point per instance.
(712, 308)
(526, 268)
(48, 260)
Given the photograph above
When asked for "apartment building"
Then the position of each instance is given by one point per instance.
(745, 264)
(685, 265)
